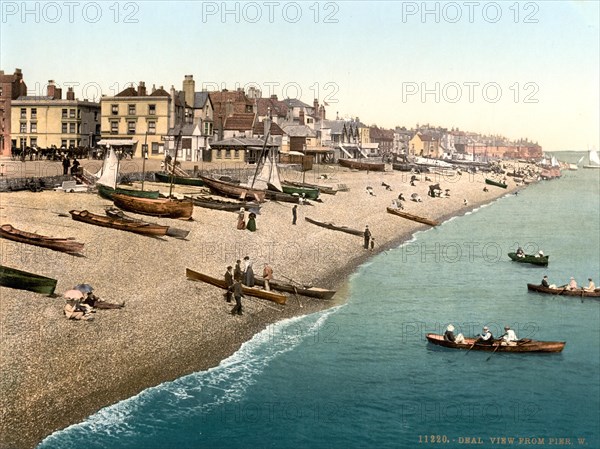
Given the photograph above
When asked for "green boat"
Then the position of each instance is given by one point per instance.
(309, 193)
(166, 177)
(495, 183)
(108, 192)
(22, 280)
(528, 258)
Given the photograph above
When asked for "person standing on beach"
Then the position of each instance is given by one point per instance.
(241, 224)
(238, 273)
(251, 226)
(267, 275)
(367, 235)
(294, 214)
(66, 163)
(237, 294)
(372, 243)
(229, 283)
(249, 275)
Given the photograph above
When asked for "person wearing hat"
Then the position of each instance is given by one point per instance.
(540, 253)
(572, 284)
(267, 276)
(238, 273)
(591, 286)
(248, 277)
(486, 337)
(449, 335)
(241, 224)
(509, 337)
(229, 283)
(367, 235)
(237, 294)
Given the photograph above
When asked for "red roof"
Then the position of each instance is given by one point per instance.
(239, 122)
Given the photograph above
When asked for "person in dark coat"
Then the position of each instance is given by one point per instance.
(249, 275)
(251, 225)
(237, 294)
(237, 273)
(228, 283)
(294, 214)
(367, 237)
(66, 164)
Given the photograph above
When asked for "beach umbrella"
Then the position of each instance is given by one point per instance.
(84, 288)
(73, 294)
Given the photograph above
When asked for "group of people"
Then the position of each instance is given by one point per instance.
(572, 285)
(521, 254)
(485, 338)
(243, 275)
(80, 303)
(241, 223)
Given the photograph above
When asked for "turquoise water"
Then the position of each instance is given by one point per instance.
(362, 374)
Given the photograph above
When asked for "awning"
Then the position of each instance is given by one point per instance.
(117, 142)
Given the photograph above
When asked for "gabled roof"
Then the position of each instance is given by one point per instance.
(186, 130)
(298, 131)
(336, 126)
(278, 108)
(160, 93)
(295, 103)
(200, 99)
(129, 92)
(239, 122)
(259, 129)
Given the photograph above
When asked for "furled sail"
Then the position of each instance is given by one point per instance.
(110, 170)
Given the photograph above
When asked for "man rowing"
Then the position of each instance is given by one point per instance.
(509, 337)
(486, 337)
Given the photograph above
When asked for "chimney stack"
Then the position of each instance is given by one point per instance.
(70, 94)
(316, 106)
(53, 91)
(301, 116)
(189, 88)
(141, 90)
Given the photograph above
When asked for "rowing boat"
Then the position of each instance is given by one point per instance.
(118, 223)
(358, 165)
(308, 192)
(523, 345)
(108, 192)
(161, 207)
(23, 280)
(412, 217)
(312, 292)
(335, 227)
(322, 189)
(250, 291)
(166, 177)
(66, 245)
(528, 258)
(233, 190)
(495, 183)
(563, 291)
(280, 196)
(230, 206)
(177, 233)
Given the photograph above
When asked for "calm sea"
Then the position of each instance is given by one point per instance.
(363, 375)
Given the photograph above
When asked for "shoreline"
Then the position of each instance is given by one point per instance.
(159, 338)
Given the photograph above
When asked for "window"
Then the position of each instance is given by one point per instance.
(131, 109)
(23, 113)
(33, 112)
(114, 127)
(227, 153)
(1, 91)
(95, 116)
(115, 109)
(72, 143)
(63, 143)
(64, 113)
(207, 128)
(33, 127)
(151, 127)
(219, 154)
(71, 128)
(78, 113)
(151, 109)
(23, 127)
(236, 153)
(33, 141)
(154, 147)
(71, 113)
(64, 128)
(131, 127)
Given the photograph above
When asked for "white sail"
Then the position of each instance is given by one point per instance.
(594, 159)
(554, 162)
(110, 170)
(580, 160)
(269, 174)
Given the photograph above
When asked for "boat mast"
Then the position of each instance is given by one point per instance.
(177, 140)
(144, 153)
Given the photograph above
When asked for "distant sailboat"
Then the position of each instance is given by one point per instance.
(594, 160)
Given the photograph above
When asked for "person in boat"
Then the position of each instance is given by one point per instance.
(251, 226)
(237, 294)
(590, 287)
(449, 335)
(367, 235)
(229, 283)
(540, 254)
(238, 273)
(547, 284)
(509, 337)
(267, 276)
(486, 337)
(520, 252)
(241, 223)
(572, 284)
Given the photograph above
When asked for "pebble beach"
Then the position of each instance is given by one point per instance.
(55, 372)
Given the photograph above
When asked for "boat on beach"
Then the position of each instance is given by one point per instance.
(564, 291)
(108, 192)
(23, 280)
(114, 212)
(66, 245)
(312, 292)
(495, 183)
(161, 207)
(229, 206)
(530, 258)
(181, 180)
(308, 192)
(250, 291)
(358, 165)
(322, 189)
(233, 190)
(118, 223)
(412, 217)
(335, 227)
(523, 345)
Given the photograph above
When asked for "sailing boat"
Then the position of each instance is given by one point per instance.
(594, 160)
(107, 180)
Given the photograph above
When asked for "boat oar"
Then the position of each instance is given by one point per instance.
(296, 295)
(262, 304)
(471, 347)
(498, 346)
(295, 282)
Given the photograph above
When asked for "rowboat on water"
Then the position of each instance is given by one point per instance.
(230, 206)
(495, 183)
(322, 189)
(358, 165)
(161, 207)
(118, 223)
(523, 345)
(312, 292)
(166, 177)
(412, 217)
(334, 227)
(23, 280)
(177, 233)
(233, 190)
(250, 291)
(564, 291)
(65, 245)
(529, 258)
(108, 192)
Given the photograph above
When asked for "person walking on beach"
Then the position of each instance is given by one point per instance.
(294, 214)
(267, 275)
(228, 283)
(66, 163)
(367, 235)
(237, 294)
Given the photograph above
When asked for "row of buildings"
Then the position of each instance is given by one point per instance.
(218, 125)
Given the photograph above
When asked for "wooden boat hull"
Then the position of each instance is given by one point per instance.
(161, 207)
(166, 177)
(280, 196)
(117, 223)
(335, 227)
(412, 217)
(563, 291)
(541, 261)
(312, 292)
(22, 280)
(405, 167)
(597, 167)
(108, 192)
(233, 190)
(322, 189)
(65, 245)
(177, 233)
(309, 192)
(495, 183)
(524, 345)
(370, 166)
(250, 291)
(228, 206)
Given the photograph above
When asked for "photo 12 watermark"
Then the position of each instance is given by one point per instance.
(70, 12)
(270, 12)
(470, 12)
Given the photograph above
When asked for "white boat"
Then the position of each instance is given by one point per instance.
(594, 160)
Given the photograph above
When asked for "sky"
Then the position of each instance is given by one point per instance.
(518, 69)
